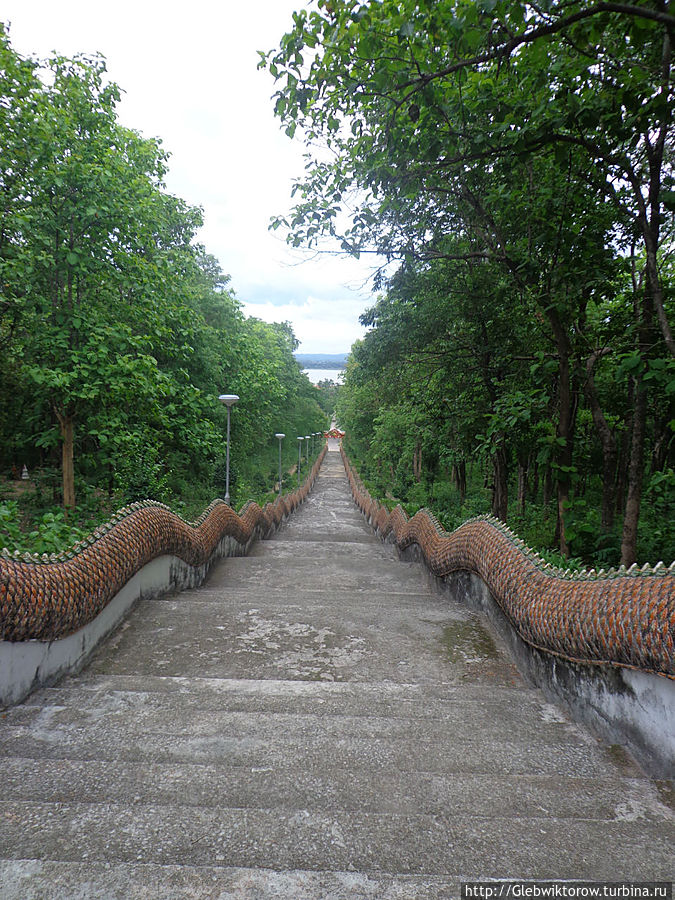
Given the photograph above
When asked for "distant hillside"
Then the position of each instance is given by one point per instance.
(322, 360)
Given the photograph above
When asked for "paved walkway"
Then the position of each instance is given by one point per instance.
(313, 722)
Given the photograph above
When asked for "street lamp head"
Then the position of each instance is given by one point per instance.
(228, 399)
(307, 437)
(280, 436)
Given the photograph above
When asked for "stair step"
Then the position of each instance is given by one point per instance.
(308, 532)
(313, 722)
(320, 550)
(313, 742)
(267, 695)
(21, 879)
(306, 635)
(302, 839)
(67, 781)
(319, 573)
(132, 717)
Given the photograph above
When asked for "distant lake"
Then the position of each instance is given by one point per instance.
(317, 375)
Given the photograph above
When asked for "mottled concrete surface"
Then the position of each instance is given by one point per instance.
(313, 722)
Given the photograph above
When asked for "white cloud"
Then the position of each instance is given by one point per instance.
(189, 75)
(322, 325)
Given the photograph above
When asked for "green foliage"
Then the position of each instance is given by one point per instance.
(328, 395)
(51, 531)
(140, 474)
(657, 537)
(516, 162)
(116, 325)
(9, 524)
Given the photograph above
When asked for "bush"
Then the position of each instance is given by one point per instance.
(656, 535)
(10, 530)
(52, 531)
(140, 474)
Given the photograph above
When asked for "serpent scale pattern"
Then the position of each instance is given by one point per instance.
(616, 618)
(49, 597)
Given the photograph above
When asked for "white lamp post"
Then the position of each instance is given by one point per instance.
(307, 446)
(300, 440)
(229, 400)
(280, 438)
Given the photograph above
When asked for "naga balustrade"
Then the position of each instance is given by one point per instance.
(623, 618)
(49, 597)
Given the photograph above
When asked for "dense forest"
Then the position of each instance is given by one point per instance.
(117, 330)
(513, 163)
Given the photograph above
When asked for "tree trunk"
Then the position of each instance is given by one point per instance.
(563, 500)
(534, 491)
(608, 480)
(608, 444)
(660, 449)
(461, 480)
(624, 453)
(635, 475)
(658, 302)
(548, 487)
(522, 483)
(67, 427)
(565, 429)
(500, 490)
(651, 214)
(644, 315)
(417, 462)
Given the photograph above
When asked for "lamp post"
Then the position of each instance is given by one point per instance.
(280, 438)
(307, 451)
(300, 440)
(229, 400)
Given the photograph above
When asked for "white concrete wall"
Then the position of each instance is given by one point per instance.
(622, 706)
(27, 665)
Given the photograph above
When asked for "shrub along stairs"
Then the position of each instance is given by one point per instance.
(314, 721)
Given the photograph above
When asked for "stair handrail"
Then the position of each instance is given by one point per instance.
(621, 617)
(50, 596)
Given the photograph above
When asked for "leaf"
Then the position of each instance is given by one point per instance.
(668, 200)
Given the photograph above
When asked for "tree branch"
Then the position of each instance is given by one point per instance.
(505, 49)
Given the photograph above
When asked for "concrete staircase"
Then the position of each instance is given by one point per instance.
(313, 722)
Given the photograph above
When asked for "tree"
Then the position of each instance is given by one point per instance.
(538, 137)
(404, 90)
(118, 330)
(80, 198)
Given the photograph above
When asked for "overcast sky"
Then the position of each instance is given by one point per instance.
(189, 73)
